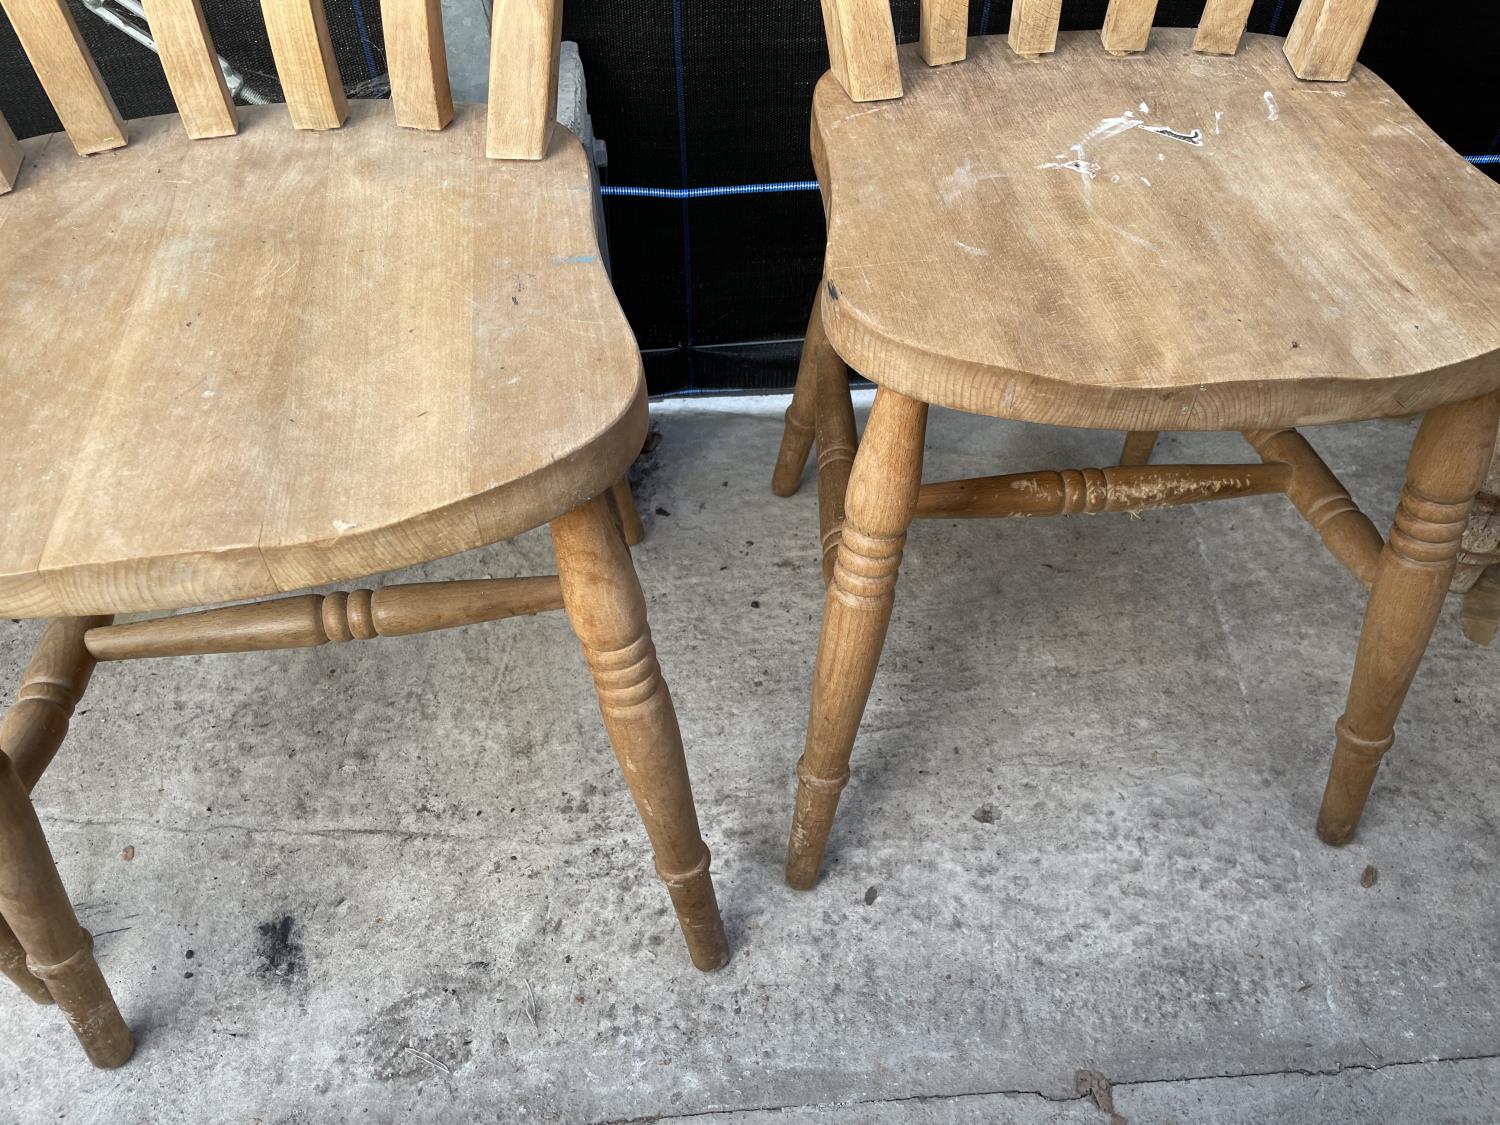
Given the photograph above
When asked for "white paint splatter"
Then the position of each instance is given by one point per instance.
(1195, 138)
(1272, 113)
(1145, 181)
(1114, 179)
(977, 251)
(1085, 168)
(961, 180)
(1145, 108)
(1218, 116)
(342, 526)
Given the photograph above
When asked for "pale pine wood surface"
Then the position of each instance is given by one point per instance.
(258, 364)
(192, 67)
(1322, 256)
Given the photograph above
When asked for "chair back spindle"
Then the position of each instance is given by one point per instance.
(862, 48)
(525, 44)
(945, 31)
(67, 72)
(1222, 26)
(1127, 26)
(418, 63)
(1033, 26)
(305, 63)
(1326, 36)
(1323, 43)
(192, 68)
(10, 157)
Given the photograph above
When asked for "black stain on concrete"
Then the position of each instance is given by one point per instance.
(280, 950)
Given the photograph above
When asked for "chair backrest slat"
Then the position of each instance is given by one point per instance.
(945, 31)
(1127, 26)
(67, 72)
(418, 63)
(1326, 37)
(525, 43)
(1222, 27)
(192, 68)
(10, 157)
(1033, 26)
(309, 73)
(862, 48)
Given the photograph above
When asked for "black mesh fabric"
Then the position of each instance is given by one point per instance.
(704, 94)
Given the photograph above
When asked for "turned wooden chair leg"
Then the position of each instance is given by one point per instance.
(1447, 463)
(604, 603)
(881, 499)
(1139, 445)
(13, 965)
(58, 950)
(797, 435)
(837, 444)
(630, 517)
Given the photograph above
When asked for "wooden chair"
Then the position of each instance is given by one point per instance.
(1198, 233)
(234, 368)
(1478, 575)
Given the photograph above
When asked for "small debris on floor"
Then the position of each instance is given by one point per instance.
(1368, 876)
(871, 895)
(129, 853)
(985, 814)
(1094, 1086)
(662, 511)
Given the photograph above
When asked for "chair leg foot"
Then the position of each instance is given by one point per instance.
(59, 951)
(1447, 463)
(797, 433)
(881, 500)
(608, 613)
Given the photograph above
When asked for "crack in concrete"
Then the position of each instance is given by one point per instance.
(1127, 1084)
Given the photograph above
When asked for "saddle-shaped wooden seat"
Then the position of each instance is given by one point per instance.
(251, 365)
(1163, 240)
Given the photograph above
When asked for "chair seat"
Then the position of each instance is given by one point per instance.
(1159, 241)
(237, 367)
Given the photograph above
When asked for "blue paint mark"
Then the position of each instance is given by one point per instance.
(984, 18)
(1492, 158)
(576, 260)
(709, 192)
(364, 40)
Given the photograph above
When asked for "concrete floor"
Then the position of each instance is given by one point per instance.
(402, 880)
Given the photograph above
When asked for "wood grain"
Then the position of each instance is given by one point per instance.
(1222, 26)
(1324, 502)
(55, 680)
(305, 63)
(861, 40)
(944, 32)
(608, 613)
(1138, 448)
(309, 620)
(67, 72)
(801, 413)
(58, 950)
(1033, 26)
(837, 444)
(1127, 26)
(192, 68)
(1230, 299)
(1325, 38)
(418, 63)
(857, 611)
(10, 157)
(524, 48)
(386, 352)
(1091, 491)
(1447, 462)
